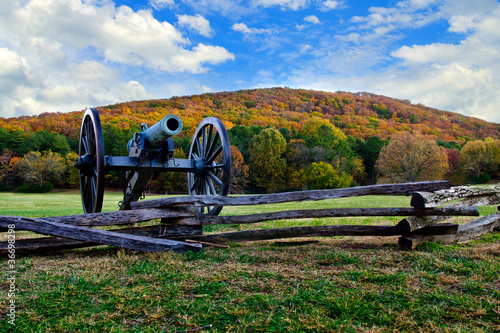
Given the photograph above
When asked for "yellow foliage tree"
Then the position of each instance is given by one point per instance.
(39, 168)
(323, 175)
(268, 167)
(311, 126)
(480, 156)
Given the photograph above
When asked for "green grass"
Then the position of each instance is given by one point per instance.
(349, 284)
(57, 203)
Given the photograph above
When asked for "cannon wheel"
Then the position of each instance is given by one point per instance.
(211, 152)
(91, 162)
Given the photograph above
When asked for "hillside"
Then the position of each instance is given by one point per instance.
(360, 115)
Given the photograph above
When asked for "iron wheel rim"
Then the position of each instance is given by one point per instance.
(91, 148)
(211, 152)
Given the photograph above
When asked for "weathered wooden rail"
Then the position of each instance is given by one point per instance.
(182, 226)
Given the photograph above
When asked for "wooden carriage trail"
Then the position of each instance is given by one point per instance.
(181, 226)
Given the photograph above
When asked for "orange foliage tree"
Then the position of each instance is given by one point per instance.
(410, 158)
(239, 171)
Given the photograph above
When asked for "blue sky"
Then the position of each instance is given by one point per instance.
(64, 55)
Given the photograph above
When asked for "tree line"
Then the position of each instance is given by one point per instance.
(318, 155)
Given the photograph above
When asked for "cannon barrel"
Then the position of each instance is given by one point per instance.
(157, 134)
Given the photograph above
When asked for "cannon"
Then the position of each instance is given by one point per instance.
(151, 152)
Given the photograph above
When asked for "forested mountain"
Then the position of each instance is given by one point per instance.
(340, 133)
(360, 115)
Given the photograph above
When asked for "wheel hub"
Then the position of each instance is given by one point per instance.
(199, 168)
(84, 164)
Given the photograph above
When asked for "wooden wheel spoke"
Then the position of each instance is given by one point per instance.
(93, 191)
(203, 141)
(215, 155)
(195, 183)
(84, 184)
(199, 147)
(210, 130)
(201, 185)
(212, 145)
(207, 187)
(212, 190)
(87, 132)
(216, 167)
(87, 194)
(214, 177)
(85, 144)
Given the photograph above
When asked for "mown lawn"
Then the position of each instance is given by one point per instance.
(348, 284)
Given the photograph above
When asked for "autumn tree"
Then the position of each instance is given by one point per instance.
(4, 164)
(39, 167)
(298, 158)
(412, 157)
(493, 152)
(267, 164)
(369, 151)
(239, 171)
(71, 173)
(240, 136)
(474, 158)
(297, 154)
(324, 176)
(481, 157)
(455, 173)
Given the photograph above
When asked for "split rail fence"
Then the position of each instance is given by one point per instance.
(181, 226)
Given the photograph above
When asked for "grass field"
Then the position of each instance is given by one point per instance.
(344, 284)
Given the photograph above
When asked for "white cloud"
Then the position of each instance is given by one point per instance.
(304, 49)
(460, 77)
(86, 83)
(406, 14)
(206, 53)
(227, 8)
(243, 28)
(205, 89)
(431, 53)
(284, 4)
(453, 87)
(122, 35)
(312, 19)
(161, 4)
(12, 72)
(331, 5)
(136, 38)
(462, 23)
(60, 55)
(197, 23)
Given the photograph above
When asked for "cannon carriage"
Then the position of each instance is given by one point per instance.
(151, 152)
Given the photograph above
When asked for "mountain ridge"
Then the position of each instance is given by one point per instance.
(360, 115)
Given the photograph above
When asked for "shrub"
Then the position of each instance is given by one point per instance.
(483, 178)
(35, 188)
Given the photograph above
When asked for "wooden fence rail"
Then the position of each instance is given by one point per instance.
(182, 224)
